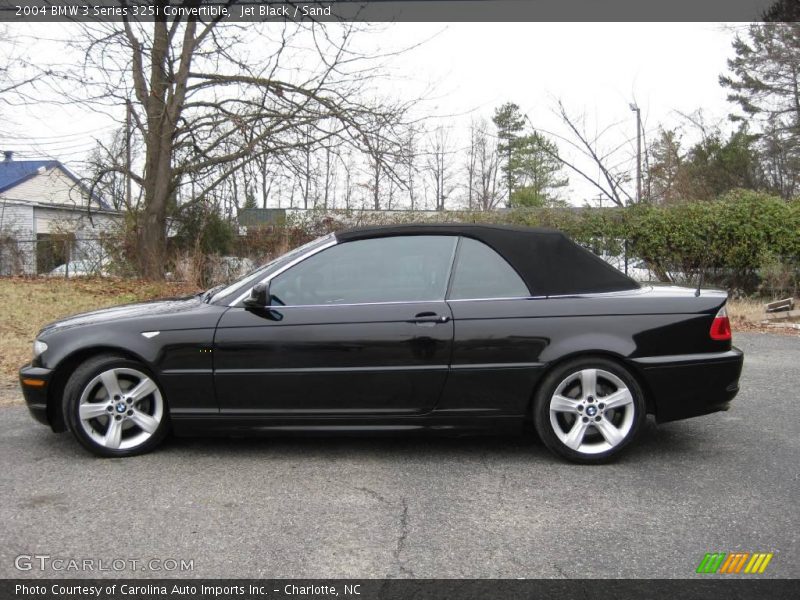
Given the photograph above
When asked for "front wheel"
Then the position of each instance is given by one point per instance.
(114, 407)
(588, 409)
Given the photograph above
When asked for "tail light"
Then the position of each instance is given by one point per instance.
(721, 327)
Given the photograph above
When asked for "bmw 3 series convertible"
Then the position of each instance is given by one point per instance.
(458, 329)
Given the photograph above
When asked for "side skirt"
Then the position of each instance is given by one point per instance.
(198, 425)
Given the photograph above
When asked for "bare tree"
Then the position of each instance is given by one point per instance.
(308, 175)
(208, 98)
(471, 164)
(614, 169)
(614, 172)
(111, 184)
(485, 158)
(348, 184)
(409, 162)
(384, 150)
(438, 165)
(13, 77)
(16, 81)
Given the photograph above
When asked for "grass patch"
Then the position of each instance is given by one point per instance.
(28, 304)
(746, 311)
(747, 314)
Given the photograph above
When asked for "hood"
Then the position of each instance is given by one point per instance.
(138, 310)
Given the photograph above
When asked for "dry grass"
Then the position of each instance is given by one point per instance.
(745, 311)
(27, 304)
(747, 314)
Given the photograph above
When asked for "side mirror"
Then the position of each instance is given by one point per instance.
(259, 296)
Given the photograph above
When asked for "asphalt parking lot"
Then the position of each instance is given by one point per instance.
(431, 507)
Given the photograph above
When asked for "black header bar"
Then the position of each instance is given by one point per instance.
(702, 588)
(32, 11)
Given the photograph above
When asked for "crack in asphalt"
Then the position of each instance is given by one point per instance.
(403, 524)
(401, 540)
(373, 494)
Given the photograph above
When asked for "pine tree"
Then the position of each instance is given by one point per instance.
(765, 84)
(537, 171)
(509, 122)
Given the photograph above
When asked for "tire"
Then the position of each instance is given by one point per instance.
(114, 407)
(588, 409)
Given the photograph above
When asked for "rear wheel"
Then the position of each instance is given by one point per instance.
(114, 407)
(588, 409)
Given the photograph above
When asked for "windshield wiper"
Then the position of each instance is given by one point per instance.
(208, 293)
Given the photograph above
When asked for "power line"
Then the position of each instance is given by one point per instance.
(32, 148)
(57, 137)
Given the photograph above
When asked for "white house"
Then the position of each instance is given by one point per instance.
(47, 217)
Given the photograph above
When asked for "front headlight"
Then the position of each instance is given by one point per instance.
(38, 348)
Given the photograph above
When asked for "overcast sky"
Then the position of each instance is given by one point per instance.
(467, 69)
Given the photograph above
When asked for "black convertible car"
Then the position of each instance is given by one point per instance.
(450, 328)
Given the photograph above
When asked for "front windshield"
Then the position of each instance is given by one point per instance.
(247, 281)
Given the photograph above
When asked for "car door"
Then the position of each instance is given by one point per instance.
(361, 327)
(496, 347)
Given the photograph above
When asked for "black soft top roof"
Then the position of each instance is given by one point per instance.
(548, 261)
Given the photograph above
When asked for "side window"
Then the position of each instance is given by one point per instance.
(391, 269)
(482, 273)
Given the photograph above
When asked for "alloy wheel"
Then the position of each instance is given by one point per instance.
(121, 408)
(592, 411)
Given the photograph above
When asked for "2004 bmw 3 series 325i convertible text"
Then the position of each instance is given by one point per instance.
(451, 328)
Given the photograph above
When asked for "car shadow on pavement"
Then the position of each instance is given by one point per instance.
(652, 438)
(659, 440)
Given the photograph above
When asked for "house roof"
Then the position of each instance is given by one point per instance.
(16, 172)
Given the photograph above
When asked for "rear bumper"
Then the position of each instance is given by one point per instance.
(691, 385)
(35, 393)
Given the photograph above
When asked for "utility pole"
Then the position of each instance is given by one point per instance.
(638, 112)
(128, 190)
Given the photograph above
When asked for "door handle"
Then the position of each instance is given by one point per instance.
(429, 317)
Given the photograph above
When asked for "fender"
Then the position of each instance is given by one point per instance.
(178, 347)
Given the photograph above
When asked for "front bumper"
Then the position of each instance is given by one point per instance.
(34, 382)
(691, 385)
